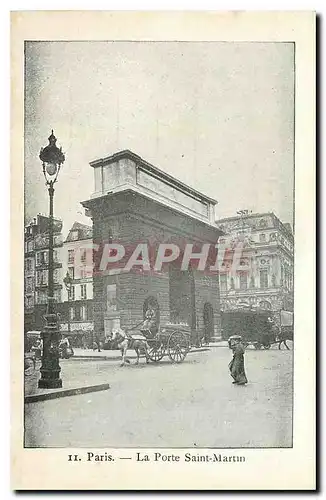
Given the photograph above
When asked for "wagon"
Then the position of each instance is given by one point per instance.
(265, 341)
(171, 340)
(257, 329)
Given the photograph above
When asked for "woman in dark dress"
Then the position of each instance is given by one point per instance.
(236, 366)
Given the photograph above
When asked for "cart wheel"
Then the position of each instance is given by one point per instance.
(257, 345)
(267, 346)
(178, 346)
(156, 351)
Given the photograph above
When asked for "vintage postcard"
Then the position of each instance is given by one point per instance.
(163, 328)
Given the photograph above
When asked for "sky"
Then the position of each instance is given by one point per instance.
(215, 115)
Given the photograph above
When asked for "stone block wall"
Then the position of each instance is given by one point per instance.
(123, 224)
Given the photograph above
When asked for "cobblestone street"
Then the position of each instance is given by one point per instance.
(192, 404)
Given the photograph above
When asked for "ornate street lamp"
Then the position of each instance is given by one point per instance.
(68, 282)
(52, 158)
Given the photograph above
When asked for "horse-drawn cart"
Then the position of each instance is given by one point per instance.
(257, 328)
(172, 340)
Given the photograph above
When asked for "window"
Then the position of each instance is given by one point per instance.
(71, 272)
(57, 295)
(83, 255)
(252, 282)
(74, 235)
(111, 298)
(28, 263)
(71, 293)
(243, 281)
(55, 256)
(42, 297)
(29, 301)
(223, 282)
(42, 258)
(263, 279)
(71, 313)
(83, 313)
(77, 313)
(83, 292)
(30, 246)
(42, 277)
(286, 279)
(56, 275)
(71, 257)
(262, 237)
(57, 239)
(29, 284)
(84, 273)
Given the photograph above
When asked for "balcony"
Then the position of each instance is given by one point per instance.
(42, 241)
(43, 264)
(43, 286)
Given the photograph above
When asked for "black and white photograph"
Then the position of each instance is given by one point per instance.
(159, 219)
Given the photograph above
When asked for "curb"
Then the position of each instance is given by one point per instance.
(33, 398)
(117, 358)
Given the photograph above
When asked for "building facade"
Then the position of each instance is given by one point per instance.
(256, 263)
(36, 267)
(136, 205)
(77, 261)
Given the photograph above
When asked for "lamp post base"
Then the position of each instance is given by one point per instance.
(50, 383)
(50, 369)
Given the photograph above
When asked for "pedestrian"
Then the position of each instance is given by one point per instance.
(64, 346)
(149, 325)
(236, 366)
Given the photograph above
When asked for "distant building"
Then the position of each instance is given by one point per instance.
(256, 263)
(78, 262)
(36, 265)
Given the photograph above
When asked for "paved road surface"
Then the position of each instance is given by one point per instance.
(193, 404)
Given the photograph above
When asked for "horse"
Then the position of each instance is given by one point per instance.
(281, 334)
(125, 342)
(285, 333)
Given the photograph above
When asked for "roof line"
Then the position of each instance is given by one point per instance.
(239, 217)
(127, 153)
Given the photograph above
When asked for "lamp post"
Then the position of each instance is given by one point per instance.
(52, 158)
(68, 282)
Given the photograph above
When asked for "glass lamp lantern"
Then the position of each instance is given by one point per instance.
(52, 158)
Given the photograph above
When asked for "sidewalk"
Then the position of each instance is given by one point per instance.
(76, 380)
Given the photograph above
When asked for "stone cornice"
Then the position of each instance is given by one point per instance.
(156, 172)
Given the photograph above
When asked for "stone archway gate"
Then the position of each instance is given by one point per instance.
(144, 221)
